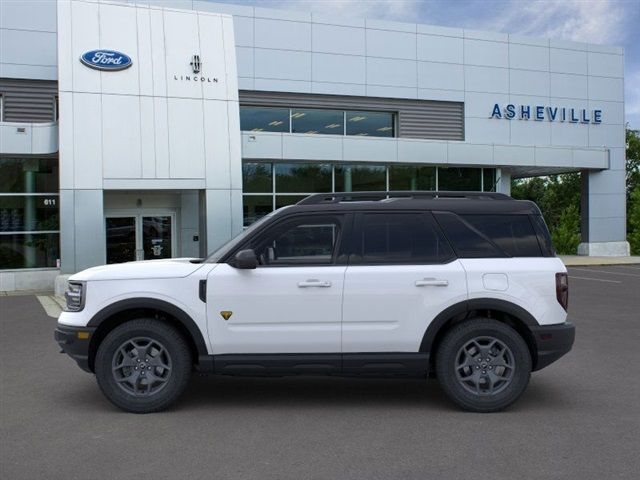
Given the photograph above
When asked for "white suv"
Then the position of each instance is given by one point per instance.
(461, 286)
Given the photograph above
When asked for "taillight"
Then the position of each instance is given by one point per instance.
(562, 290)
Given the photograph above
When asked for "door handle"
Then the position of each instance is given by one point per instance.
(314, 283)
(432, 282)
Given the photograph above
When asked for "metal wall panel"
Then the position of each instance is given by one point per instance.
(30, 101)
(427, 119)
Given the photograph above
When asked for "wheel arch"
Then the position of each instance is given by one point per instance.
(120, 312)
(504, 311)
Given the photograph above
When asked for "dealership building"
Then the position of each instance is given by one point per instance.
(147, 130)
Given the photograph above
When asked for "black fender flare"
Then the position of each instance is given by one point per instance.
(155, 304)
(464, 307)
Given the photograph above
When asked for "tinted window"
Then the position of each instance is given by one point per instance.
(399, 238)
(303, 177)
(372, 124)
(360, 178)
(264, 119)
(466, 241)
(407, 177)
(543, 235)
(317, 121)
(512, 233)
(306, 241)
(459, 179)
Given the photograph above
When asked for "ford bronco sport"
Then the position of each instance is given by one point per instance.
(462, 286)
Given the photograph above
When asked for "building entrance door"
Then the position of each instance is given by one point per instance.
(140, 237)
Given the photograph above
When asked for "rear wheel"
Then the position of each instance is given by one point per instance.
(143, 365)
(483, 365)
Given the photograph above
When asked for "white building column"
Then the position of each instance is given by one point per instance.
(503, 181)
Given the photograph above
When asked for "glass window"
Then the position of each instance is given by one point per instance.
(31, 250)
(360, 178)
(28, 175)
(513, 233)
(459, 179)
(28, 213)
(489, 175)
(264, 119)
(305, 241)
(303, 178)
(257, 178)
(372, 124)
(317, 121)
(543, 235)
(465, 239)
(406, 177)
(399, 238)
(255, 207)
(284, 200)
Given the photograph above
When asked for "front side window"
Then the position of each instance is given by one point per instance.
(304, 241)
(399, 238)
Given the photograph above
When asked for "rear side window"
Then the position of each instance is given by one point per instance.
(467, 241)
(543, 235)
(399, 238)
(512, 233)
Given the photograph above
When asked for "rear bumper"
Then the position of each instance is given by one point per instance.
(74, 341)
(552, 342)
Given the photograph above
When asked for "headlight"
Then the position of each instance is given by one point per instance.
(75, 296)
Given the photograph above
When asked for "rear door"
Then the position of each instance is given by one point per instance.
(401, 274)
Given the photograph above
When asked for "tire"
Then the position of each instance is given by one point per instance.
(143, 365)
(487, 384)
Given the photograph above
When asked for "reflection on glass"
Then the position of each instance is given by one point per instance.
(359, 178)
(317, 121)
(303, 177)
(255, 207)
(28, 175)
(264, 119)
(156, 237)
(459, 179)
(284, 200)
(256, 178)
(28, 213)
(489, 179)
(372, 124)
(121, 239)
(407, 177)
(31, 250)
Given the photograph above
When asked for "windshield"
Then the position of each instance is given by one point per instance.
(217, 255)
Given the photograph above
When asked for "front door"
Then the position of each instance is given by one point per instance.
(140, 237)
(292, 302)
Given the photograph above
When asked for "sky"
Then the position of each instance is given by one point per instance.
(608, 22)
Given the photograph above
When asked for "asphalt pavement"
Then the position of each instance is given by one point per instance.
(580, 417)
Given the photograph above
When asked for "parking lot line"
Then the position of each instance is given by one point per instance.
(605, 271)
(596, 279)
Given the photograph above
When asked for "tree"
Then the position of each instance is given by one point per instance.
(566, 235)
(633, 161)
(633, 221)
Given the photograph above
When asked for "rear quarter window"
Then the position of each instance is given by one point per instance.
(514, 234)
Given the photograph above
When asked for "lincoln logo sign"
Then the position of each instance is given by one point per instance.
(108, 60)
(543, 112)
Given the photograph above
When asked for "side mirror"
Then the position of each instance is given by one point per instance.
(245, 259)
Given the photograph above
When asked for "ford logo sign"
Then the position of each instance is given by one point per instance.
(108, 60)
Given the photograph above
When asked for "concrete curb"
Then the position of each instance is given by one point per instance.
(579, 260)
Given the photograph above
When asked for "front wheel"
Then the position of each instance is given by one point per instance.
(483, 365)
(143, 365)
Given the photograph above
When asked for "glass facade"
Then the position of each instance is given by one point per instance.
(268, 186)
(29, 213)
(317, 121)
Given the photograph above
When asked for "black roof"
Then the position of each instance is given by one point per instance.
(456, 202)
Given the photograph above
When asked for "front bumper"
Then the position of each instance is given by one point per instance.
(552, 342)
(75, 341)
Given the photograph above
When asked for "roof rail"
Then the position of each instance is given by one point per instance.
(323, 198)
